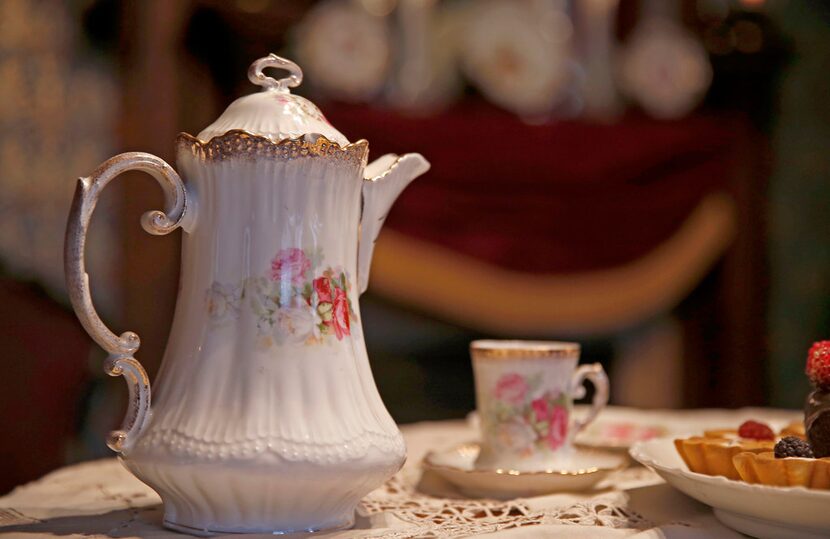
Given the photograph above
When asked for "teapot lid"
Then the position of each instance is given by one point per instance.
(274, 113)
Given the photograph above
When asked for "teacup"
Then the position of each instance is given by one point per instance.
(524, 394)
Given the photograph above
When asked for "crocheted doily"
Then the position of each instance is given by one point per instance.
(433, 517)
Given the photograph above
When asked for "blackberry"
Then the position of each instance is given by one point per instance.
(793, 446)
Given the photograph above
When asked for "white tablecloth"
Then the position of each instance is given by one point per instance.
(100, 498)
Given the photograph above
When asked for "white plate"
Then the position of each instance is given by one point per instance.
(762, 511)
(582, 471)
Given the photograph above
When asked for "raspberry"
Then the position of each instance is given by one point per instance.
(818, 364)
(755, 431)
(793, 446)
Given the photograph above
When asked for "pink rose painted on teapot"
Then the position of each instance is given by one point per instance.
(290, 265)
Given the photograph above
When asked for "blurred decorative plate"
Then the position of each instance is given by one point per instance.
(762, 511)
(664, 68)
(615, 431)
(618, 435)
(517, 55)
(344, 49)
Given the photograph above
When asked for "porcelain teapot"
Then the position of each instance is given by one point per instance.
(265, 416)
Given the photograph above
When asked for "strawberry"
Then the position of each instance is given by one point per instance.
(818, 364)
(755, 431)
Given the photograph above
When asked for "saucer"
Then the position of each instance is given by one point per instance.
(584, 470)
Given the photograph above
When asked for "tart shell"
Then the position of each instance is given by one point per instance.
(714, 456)
(765, 469)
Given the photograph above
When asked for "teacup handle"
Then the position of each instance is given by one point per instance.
(121, 348)
(596, 374)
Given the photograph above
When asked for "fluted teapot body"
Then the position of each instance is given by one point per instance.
(264, 415)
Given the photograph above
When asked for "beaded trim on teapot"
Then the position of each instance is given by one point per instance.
(182, 445)
(238, 143)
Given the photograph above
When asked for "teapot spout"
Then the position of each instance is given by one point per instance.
(385, 178)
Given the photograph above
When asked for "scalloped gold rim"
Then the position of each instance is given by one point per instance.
(241, 143)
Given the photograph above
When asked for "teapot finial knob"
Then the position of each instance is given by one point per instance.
(293, 80)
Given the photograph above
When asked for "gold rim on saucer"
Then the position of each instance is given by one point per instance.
(473, 447)
(497, 349)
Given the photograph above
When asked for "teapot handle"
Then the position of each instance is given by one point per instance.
(121, 348)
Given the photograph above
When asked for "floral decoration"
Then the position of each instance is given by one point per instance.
(295, 302)
(290, 264)
(525, 419)
(223, 302)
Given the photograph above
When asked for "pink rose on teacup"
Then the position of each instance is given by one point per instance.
(290, 265)
(552, 420)
(511, 388)
(557, 427)
(540, 410)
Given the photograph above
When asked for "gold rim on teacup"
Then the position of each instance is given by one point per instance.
(496, 349)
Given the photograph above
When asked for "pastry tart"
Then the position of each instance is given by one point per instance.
(765, 469)
(714, 456)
